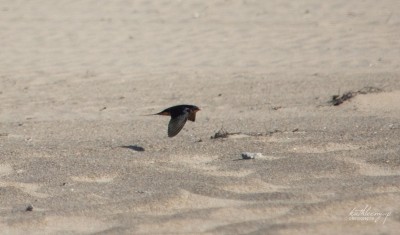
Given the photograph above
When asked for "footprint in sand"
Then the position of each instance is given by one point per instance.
(94, 179)
(233, 211)
(186, 200)
(383, 103)
(26, 188)
(5, 169)
(369, 169)
(59, 224)
(329, 147)
(254, 186)
(203, 163)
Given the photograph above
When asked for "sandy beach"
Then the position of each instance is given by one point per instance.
(79, 156)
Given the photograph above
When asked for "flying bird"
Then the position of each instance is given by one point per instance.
(179, 115)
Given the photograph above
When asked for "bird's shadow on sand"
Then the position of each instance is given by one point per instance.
(133, 147)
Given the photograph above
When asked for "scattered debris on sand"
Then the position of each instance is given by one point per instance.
(369, 89)
(222, 133)
(337, 99)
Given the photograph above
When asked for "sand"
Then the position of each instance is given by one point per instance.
(76, 78)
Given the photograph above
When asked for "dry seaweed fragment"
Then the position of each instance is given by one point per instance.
(337, 100)
(222, 133)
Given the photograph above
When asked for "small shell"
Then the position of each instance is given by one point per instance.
(247, 155)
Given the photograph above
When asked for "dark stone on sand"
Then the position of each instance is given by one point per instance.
(29, 208)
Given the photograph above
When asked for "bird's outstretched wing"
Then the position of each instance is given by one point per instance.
(176, 124)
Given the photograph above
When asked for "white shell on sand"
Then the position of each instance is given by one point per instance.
(247, 155)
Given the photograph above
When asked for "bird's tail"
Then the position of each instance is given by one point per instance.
(160, 113)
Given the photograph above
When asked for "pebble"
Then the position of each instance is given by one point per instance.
(29, 208)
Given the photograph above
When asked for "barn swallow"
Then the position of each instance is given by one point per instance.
(179, 115)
